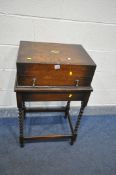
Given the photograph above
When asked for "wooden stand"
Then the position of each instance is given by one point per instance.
(32, 94)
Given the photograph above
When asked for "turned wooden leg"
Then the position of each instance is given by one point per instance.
(78, 122)
(21, 118)
(24, 108)
(67, 109)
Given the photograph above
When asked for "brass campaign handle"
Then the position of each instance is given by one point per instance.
(77, 82)
(34, 81)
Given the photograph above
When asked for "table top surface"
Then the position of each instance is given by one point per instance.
(53, 53)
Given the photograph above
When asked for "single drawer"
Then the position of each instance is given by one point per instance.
(50, 81)
(53, 96)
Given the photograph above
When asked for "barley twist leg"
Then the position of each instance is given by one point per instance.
(21, 118)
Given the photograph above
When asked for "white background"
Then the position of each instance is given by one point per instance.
(91, 23)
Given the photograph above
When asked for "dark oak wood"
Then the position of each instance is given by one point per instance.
(48, 137)
(52, 72)
(36, 109)
(54, 64)
(53, 53)
(52, 89)
(28, 81)
(53, 96)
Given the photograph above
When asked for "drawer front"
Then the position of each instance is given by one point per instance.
(54, 70)
(53, 96)
(36, 81)
(54, 75)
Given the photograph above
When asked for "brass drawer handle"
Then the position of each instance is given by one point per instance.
(34, 81)
(70, 95)
(77, 82)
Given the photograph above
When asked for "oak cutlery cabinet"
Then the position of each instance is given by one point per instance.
(52, 72)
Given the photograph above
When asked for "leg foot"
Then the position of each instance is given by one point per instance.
(21, 141)
(21, 145)
(71, 142)
(73, 139)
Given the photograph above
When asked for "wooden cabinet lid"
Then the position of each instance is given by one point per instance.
(53, 53)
